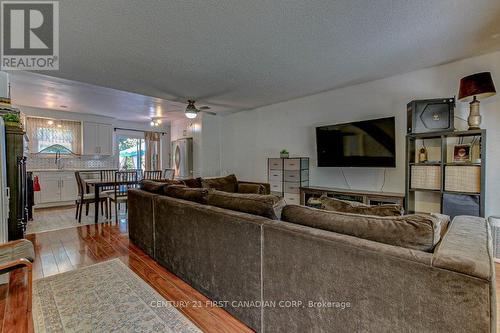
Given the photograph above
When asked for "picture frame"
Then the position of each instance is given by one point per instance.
(462, 153)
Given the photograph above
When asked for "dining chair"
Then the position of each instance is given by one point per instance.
(85, 198)
(124, 180)
(107, 175)
(153, 174)
(17, 254)
(169, 173)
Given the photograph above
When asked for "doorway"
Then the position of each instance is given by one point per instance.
(131, 151)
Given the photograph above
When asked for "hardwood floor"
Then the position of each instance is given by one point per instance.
(68, 249)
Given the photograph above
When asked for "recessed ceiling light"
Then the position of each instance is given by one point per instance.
(50, 122)
(59, 125)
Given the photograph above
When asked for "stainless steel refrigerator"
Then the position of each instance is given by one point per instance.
(182, 158)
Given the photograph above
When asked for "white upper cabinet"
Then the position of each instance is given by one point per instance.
(105, 143)
(97, 139)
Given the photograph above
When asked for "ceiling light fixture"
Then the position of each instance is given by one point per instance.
(191, 111)
(50, 122)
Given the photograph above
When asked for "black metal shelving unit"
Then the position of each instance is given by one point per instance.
(443, 137)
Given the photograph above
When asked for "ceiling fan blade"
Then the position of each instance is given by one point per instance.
(204, 107)
(209, 112)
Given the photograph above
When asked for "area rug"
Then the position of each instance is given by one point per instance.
(105, 297)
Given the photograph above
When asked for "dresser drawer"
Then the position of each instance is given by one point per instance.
(275, 175)
(292, 199)
(275, 164)
(276, 186)
(292, 187)
(296, 175)
(278, 194)
(292, 164)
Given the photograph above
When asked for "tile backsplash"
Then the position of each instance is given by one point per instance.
(35, 162)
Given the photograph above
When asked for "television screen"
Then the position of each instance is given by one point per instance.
(369, 143)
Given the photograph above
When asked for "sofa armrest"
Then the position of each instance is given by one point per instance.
(467, 248)
(267, 186)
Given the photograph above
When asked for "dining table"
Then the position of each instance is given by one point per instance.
(98, 184)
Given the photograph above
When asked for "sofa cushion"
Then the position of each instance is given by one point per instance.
(192, 182)
(269, 206)
(337, 205)
(156, 186)
(226, 184)
(419, 232)
(247, 188)
(445, 222)
(198, 195)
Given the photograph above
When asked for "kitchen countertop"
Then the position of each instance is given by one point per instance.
(64, 170)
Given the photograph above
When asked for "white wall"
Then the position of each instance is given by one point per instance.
(165, 141)
(4, 84)
(248, 138)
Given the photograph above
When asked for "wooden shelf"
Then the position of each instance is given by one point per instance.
(446, 134)
(462, 164)
(424, 190)
(426, 164)
(462, 193)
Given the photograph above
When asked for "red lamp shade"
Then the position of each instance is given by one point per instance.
(479, 85)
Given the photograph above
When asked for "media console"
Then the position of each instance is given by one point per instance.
(366, 197)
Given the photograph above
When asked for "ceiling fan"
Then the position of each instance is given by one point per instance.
(191, 111)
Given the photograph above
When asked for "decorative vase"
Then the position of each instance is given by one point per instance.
(284, 155)
(422, 155)
(12, 124)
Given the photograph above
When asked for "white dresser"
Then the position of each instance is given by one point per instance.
(287, 175)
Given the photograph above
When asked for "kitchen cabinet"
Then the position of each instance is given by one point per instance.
(56, 188)
(97, 139)
(69, 188)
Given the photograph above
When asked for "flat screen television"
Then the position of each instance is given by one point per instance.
(369, 143)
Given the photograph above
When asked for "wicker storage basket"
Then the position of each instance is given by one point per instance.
(462, 178)
(426, 177)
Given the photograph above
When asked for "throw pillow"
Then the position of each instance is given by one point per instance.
(226, 184)
(186, 193)
(265, 205)
(192, 182)
(337, 205)
(419, 231)
(247, 188)
(155, 186)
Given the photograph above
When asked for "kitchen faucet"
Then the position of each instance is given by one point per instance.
(58, 160)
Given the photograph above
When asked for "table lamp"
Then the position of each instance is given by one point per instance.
(472, 87)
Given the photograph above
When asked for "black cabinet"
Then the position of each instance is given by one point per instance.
(16, 181)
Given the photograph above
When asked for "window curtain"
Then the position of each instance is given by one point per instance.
(152, 140)
(43, 133)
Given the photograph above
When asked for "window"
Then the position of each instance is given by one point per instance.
(131, 150)
(44, 133)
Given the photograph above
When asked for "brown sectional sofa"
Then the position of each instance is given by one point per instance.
(284, 277)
